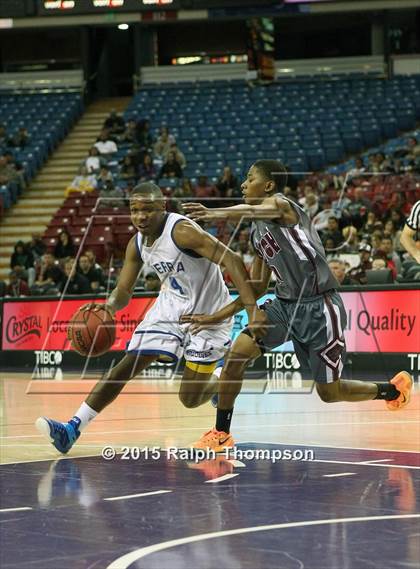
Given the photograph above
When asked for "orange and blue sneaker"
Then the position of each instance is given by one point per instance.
(215, 440)
(404, 383)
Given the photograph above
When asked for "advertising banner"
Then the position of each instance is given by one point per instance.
(378, 321)
(42, 325)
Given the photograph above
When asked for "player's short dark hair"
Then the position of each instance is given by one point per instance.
(147, 189)
(273, 170)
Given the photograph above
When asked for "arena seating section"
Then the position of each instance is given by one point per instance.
(106, 231)
(305, 124)
(308, 125)
(47, 118)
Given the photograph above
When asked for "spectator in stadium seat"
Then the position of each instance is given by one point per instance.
(330, 248)
(22, 258)
(36, 246)
(93, 275)
(72, 281)
(338, 268)
(171, 168)
(20, 139)
(16, 171)
(358, 169)
(128, 170)
(92, 260)
(17, 286)
(359, 273)
(65, 246)
(179, 156)
(381, 163)
(307, 190)
(184, 190)
(378, 263)
(104, 178)
(203, 191)
(143, 135)
(114, 123)
(22, 262)
(359, 207)
(397, 218)
(164, 142)
(339, 207)
(376, 239)
(94, 161)
(350, 240)
(111, 195)
(83, 182)
(129, 136)
(392, 258)
(49, 275)
(391, 231)
(106, 146)
(228, 185)
(147, 170)
(368, 227)
(332, 231)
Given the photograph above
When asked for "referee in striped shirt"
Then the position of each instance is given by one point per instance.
(410, 237)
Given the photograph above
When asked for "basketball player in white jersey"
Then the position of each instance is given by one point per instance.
(187, 261)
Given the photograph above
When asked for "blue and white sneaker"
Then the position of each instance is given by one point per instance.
(61, 435)
(215, 399)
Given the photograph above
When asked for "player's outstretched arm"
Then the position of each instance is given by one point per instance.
(122, 293)
(259, 279)
(192, 237)
(408, 242)
(271, 208)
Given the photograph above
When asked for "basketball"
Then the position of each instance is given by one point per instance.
(91, 331)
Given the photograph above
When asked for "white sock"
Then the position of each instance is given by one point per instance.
(218, 371)
(84, 415)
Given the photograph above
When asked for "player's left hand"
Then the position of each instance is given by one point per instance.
(199, 322)
(198, 212)
(258, 323)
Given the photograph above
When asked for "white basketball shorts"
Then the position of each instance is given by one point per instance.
(161, 333)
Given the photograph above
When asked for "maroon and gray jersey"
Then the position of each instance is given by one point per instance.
(295, 254)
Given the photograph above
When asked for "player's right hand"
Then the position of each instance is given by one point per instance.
(198, 212)
(199, 322)
(96, 306)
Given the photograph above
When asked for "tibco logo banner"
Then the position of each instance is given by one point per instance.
(48, 358)
(281, 360)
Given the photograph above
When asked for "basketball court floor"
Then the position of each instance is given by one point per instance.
(312, 485)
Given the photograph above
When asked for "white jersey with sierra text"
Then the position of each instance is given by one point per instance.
(183, 273)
